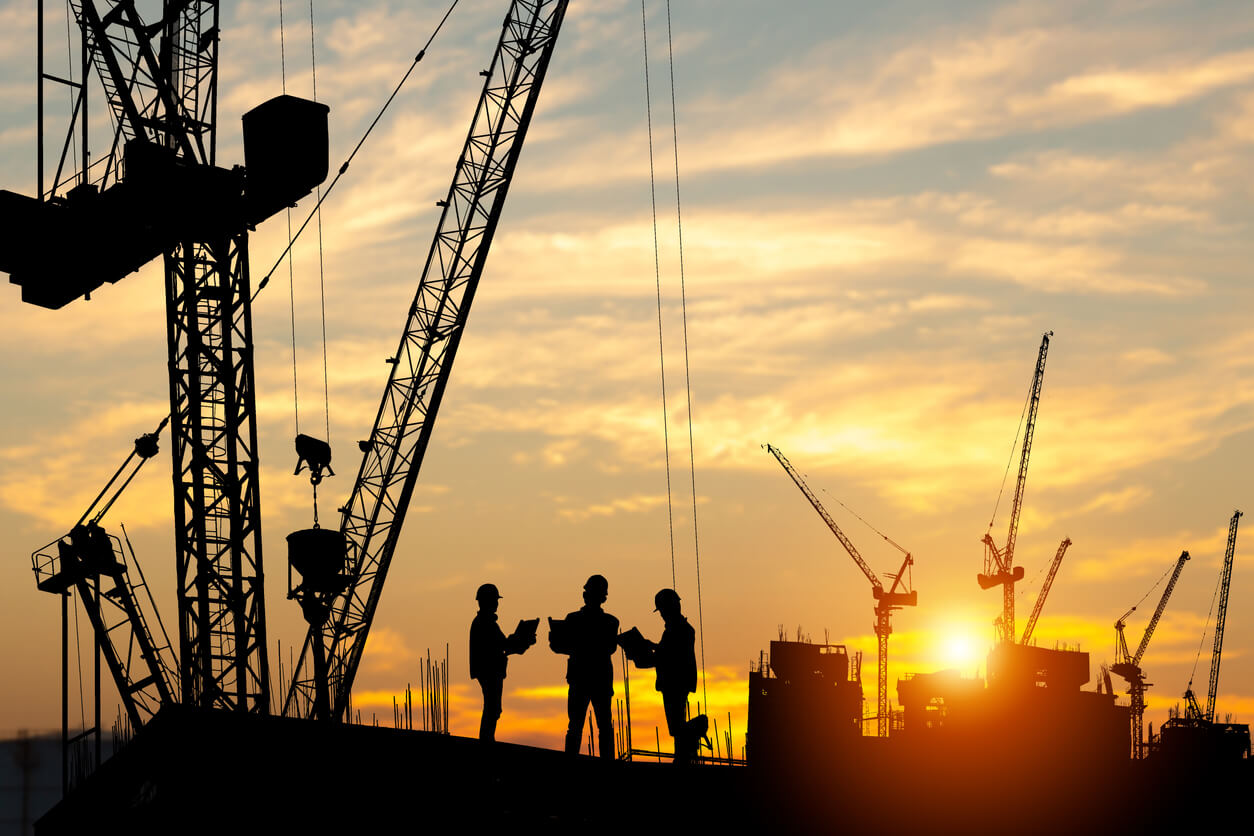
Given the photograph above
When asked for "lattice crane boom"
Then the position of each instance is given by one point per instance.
(876, 584)
(886, 602)
(393, 453)
(1225, 582)
(1045, 587)
(1158, 611)
(999, 568)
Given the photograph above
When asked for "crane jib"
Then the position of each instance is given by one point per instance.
(393, 453)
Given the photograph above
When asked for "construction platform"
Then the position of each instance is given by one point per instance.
(192, 771)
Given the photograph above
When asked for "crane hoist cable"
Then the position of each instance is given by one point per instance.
(1201, 642)
(683, 307)
(322, 286)
(291, 276)
(657, 275)
(344, 166)
(1014, 445)
(291, 282)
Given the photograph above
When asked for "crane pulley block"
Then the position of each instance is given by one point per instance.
(315, 454)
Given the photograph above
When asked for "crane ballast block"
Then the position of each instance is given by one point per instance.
(65, 247)
(285, 153)
(61, 249)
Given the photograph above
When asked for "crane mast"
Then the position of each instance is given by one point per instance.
(1040, 599)
(1129, 665)
(999, 568)
(158, 192)
(886, 602)
(392, 454)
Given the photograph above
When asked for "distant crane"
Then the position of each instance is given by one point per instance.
(999, 568)
(1128, 665)
(886, 602)
(1192, 710)
(1040, 599)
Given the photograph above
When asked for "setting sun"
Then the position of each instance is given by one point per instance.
(958, 650)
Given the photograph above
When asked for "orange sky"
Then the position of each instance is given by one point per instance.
(883, 210)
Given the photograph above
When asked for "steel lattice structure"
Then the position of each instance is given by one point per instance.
(160, 82)
(1221, 617)
(137, 663)
(372, 517)
(1044, 593)
(222, 651)
(999, 568)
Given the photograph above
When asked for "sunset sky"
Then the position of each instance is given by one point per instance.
(884, 207)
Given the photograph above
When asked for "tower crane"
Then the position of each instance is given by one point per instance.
(1192, 710)
(1128, 665)
(343, 603)
(1040, 599)
(999, 568)
(158, 191)
(885, 602)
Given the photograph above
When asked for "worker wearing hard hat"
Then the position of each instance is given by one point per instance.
(590, 636)
(489, 647)
(675, 659)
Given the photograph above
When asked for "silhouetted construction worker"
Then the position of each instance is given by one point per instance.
(590, 637)
(488, 649)
(675, 659)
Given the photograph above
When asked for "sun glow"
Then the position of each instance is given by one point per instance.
(958, 647)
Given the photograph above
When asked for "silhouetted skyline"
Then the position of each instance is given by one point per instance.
(883, 210)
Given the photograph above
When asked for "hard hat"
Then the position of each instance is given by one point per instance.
(665, 596)
(598, 584)
(487, 592)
